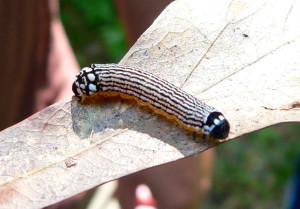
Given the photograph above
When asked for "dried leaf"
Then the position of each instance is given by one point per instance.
(242, 57)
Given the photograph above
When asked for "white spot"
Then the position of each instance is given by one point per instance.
(91, 77)
(221, 117)
(77, 84)
(87, 69)
(216, 121)
(82, 86)
(91, 92)
(212, 127)
(92, 87)
(79, 91)
(207, 129)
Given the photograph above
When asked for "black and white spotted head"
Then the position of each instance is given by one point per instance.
(85, 83)
(216, 126)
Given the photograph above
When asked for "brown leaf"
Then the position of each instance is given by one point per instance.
(241, 57)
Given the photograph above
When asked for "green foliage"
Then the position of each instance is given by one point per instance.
(252, 171)
(94, 30)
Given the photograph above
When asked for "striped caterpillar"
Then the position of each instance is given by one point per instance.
(161, 96)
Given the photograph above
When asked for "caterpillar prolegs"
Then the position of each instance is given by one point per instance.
(161, 96)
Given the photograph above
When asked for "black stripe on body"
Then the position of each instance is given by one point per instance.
(150, 89)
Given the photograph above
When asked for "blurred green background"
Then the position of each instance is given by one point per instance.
(94, 30)
(253, 171)
(249, 172)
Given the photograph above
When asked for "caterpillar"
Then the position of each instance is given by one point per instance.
(147, 89)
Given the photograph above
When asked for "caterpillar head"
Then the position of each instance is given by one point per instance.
(216, 126)
(84, 83)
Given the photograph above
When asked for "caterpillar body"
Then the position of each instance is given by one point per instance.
(161, 96)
